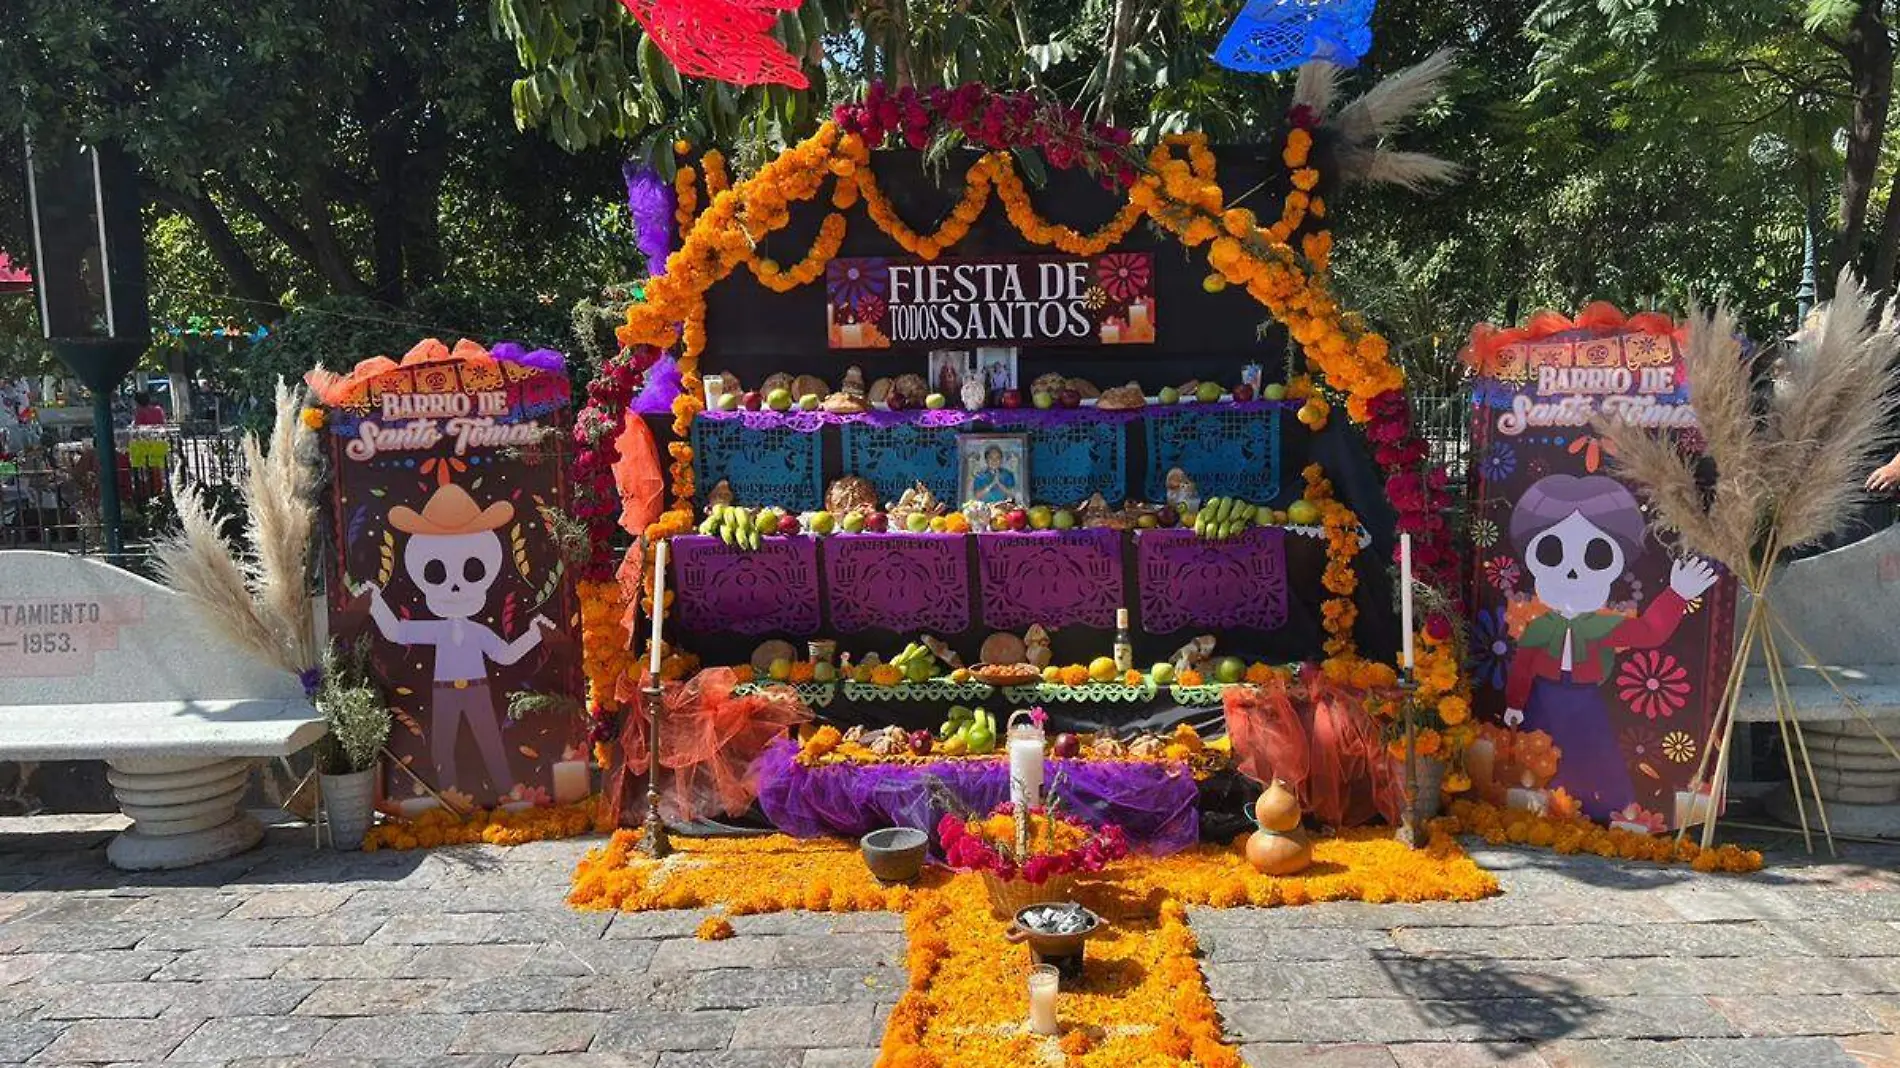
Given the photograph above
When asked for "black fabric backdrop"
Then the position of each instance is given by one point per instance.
(754, 332)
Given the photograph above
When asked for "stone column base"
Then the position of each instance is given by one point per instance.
(1859, 778)
(185, 811)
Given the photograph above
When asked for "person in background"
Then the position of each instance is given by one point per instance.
(1886, 477)
(145, 412)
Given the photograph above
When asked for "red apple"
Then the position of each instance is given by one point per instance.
(1069, 398)
(788, 524)
(1010, 398)
(752, 400)
(1065, 747)
(1167, 516)
(877, 522)
(921, 743)
(1018, 519)
(1243, 393)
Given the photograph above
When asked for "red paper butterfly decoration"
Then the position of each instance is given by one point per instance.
(729, 40)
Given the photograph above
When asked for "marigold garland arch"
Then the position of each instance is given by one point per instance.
(1178, 190)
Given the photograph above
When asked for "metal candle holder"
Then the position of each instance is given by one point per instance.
(1408, 829)
(653, 841)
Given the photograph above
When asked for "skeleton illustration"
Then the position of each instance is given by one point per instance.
(1577, 537)
(454, 556)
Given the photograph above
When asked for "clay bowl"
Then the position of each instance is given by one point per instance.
(894, 854)
(1053, 945)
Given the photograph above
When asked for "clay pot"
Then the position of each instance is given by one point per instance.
(1279, 854)
(1278, 809)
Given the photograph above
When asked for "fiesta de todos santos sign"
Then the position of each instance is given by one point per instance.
(875, 303)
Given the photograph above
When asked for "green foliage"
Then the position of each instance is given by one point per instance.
(355, 710)
(525, 703)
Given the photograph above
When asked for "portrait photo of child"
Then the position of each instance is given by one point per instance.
(993, 468)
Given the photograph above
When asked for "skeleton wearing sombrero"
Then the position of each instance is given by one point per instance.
(454, 556)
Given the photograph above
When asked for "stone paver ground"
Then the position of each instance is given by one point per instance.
(468, 957)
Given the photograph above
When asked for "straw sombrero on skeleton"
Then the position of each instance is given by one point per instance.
(450, 511)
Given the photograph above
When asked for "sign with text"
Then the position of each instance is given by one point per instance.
(446, 474)
(1588, 630)
(877, 303)
(58, 637)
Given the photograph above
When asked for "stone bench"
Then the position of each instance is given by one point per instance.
(99, 664)
(1845, 606)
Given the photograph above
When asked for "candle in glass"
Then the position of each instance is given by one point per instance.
(1405, 596)
(1025, 765)
(1043, 982)
(659, 605)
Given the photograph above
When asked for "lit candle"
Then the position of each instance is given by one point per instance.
(572, 779)
(1043, 981)
(1025, 766)
(659, 605)
(1405, 596)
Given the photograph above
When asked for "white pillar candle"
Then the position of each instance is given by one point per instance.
(411, 807)
(1025, 769)
(1043, 983)
(1405, 595)
(659, 605)
(572, 781)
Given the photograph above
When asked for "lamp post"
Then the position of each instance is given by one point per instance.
(89, 248)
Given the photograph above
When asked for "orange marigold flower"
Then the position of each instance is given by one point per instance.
(714, 929)
(1191, 677)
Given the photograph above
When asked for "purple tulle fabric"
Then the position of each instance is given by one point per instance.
(809, 422)
(539, 359)
(651, 204)
(663, 384)
(1154, 803)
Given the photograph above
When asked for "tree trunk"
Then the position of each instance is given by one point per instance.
(1880, 278)
(900, 43)
(333, 262)
(315, 245)
(388, 132)
(423, 260)
(1869, 54)
(1117, 45)
(247, 280)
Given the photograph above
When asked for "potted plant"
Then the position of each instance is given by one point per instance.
(347, 757)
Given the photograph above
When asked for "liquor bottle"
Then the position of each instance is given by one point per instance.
(1124, 648)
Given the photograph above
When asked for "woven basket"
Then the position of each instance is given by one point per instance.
(1010, 896)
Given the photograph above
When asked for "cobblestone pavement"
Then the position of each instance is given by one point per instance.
(468, 957)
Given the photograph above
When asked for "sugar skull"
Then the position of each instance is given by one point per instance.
(453, 571)
(1577, 537)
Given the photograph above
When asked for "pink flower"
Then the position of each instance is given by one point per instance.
(1653, 684)
(1038, 716)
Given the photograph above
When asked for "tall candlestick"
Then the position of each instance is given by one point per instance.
(1043, 982)
(1405, 596)
(659, 605)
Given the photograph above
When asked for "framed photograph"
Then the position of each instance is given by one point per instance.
(948, 369)
(993, 468)
(997, 365)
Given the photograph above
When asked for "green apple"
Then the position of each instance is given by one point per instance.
(781, 669)
(808, 402)
(917, 522)
(920, 670)
(822, 671)
(1043, 399)
(1169, 395)
(1040, 517)
(1230, 669)
(1063, 519)
(1303, 513)
(936, 400)
(1162, 674)
(1263, 516)
(823, 523)
(767, 522)
(1273, 391)
(1208, 392)
(779, 400)
(853, 523)
(728, 402)
(1147, 521)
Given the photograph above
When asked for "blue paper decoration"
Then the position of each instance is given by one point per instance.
(1273, 35)
(778, 467)
(1227, 453)
(1069, 462)
(895, 458)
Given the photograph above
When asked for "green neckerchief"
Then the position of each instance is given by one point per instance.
(1548, 631)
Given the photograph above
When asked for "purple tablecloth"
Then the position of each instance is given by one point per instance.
(1154, 803)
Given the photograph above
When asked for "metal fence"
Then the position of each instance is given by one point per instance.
(49, 493)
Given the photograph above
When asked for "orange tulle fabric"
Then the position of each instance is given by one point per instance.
(708, 740)
(637, 474)
(1322, 742)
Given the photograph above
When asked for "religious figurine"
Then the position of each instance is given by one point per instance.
(1193, 654)
(1183, 495)
(720, 493)
(974, 394)
(979, 513)
(1036, 646)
